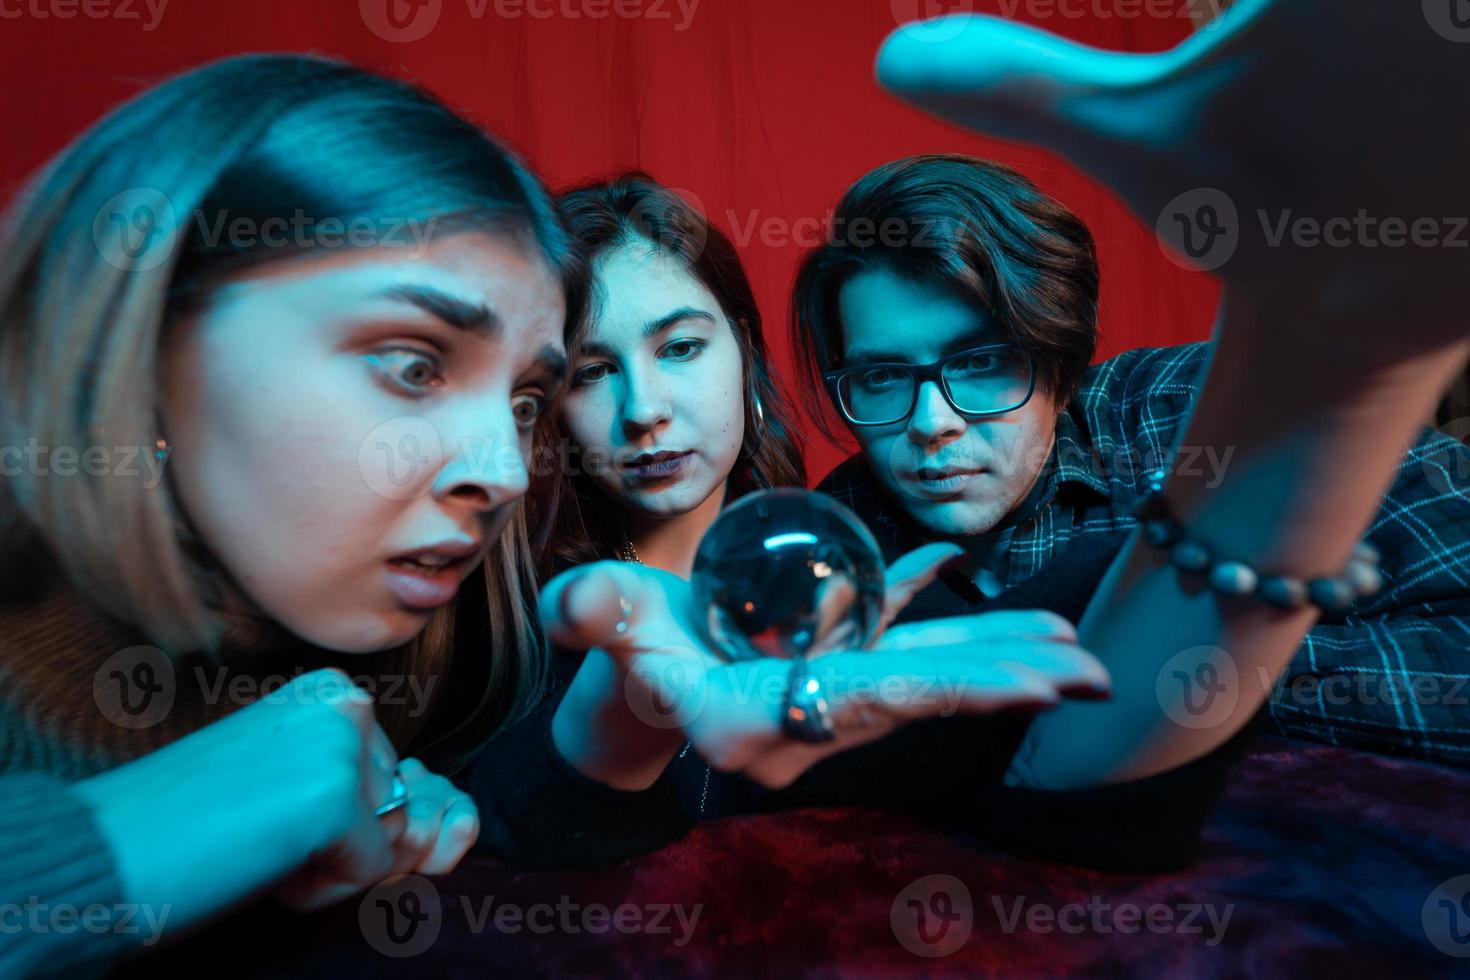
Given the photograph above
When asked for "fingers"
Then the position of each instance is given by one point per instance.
(980, 628)
(614, 607)
(460, 828)
(979, 663)
(1008, 79)
(442, 823)
(1106, 111)
(582, 608)
(1028, 675)
(911, 574)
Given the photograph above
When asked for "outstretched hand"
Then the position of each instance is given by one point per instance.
(643, 621)
(1310, 152)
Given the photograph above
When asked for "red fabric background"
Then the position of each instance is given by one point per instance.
(763, 109)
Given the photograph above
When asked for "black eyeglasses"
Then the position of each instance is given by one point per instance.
(989, 380)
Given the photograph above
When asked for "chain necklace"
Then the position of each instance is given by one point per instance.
(626, 552)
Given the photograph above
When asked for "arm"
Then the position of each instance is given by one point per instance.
(54, 857)
(539, 809)
(1326, 359)
(1295, 500)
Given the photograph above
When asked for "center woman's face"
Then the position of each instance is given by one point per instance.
(656, 398)
(351, 431)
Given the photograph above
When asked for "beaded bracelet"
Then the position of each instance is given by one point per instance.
(1236, 578)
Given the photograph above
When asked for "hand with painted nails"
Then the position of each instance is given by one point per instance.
(650, 681)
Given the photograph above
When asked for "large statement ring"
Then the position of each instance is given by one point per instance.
(397, 798)
(806, 716)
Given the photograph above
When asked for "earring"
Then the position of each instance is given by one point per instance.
(161, 449)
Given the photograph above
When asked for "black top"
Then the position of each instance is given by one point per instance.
(537, 810)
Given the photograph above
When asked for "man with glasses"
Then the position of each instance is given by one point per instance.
(956, 350)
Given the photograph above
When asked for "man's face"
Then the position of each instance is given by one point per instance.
(956, 475)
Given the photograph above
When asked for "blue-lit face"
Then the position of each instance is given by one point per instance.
(956, 475)
(656, 398)
(333, 414)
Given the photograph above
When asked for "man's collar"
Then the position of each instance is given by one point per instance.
(1073, 460)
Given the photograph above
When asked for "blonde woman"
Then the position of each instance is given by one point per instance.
(274, 338)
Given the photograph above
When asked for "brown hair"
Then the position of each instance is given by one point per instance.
(84, 310)
(632, 207)
(976, 226)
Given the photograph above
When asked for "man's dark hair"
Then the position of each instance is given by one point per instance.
(975, 226)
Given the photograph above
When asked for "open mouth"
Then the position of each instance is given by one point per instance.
(428, 565)
(427, 581)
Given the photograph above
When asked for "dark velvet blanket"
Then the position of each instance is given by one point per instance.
(1318, 862)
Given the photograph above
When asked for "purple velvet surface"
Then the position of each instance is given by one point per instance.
(1322, 858)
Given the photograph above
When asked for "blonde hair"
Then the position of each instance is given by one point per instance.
(83, 320)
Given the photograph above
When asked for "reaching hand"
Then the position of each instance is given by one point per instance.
(1311, 152)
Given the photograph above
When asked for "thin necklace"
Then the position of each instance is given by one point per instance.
(626, 552)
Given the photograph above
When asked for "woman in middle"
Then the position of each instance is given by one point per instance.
(671, 412)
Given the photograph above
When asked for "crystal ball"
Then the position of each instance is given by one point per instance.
(788, 573)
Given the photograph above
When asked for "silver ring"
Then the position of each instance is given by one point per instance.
(397, 798)
(806, 715)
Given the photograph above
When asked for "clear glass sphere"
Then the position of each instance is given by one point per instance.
(788, 573)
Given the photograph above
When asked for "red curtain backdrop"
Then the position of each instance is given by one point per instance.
(763, 110)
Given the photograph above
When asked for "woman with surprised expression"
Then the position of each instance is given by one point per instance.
(178, 279)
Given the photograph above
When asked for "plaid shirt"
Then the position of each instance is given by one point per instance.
(1391, 675)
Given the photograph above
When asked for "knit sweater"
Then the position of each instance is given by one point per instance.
(65, 715)
(82, 692)
(54, 868)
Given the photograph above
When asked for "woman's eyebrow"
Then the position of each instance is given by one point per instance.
(658, 325)
(651, 329)
(458, 313)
